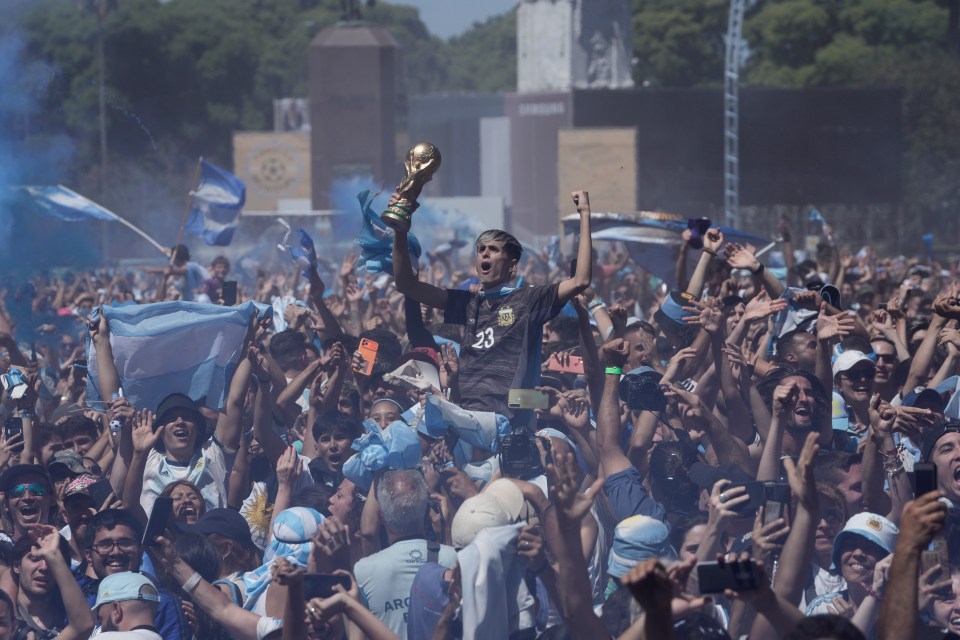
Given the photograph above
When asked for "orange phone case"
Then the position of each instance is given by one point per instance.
(575, 365)
(368, 351)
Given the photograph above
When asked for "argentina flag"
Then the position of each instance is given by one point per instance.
(215, 205)
(168, 347)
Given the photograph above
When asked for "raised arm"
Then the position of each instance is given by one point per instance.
(945, 307)
(613, 356)
(923, 519)
(712, 241)
(107, 377)
(584, 273)
(407, 281)
(794, 564)
(79, 616)
(144, 438)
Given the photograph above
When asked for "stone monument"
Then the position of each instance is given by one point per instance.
(573, 44)
(355, 97)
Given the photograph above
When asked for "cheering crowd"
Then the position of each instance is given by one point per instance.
(508, 448)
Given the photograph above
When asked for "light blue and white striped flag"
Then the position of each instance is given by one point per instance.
(168, 347)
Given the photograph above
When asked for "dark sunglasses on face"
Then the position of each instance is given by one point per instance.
(886, 357)
(36, 490)
(860, 374)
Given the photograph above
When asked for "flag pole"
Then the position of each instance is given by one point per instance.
(142, 234)
(186, 212)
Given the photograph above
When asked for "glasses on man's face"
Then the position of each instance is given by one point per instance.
(104, 547)
(860, 374)
(35, 489)
(886, 357)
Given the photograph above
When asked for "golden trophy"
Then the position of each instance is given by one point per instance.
(423, 160)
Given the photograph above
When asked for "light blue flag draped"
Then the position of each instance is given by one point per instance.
(167, 347)
(376, 240)
(216, 204)
(396, 447)
(60, 203)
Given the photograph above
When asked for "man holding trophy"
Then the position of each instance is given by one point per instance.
(500, 348)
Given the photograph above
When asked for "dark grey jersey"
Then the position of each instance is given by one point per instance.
(501, 345)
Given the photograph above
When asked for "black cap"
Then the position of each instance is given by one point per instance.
(9, 477)
(179, 401)
(935, 433)
(225, 522)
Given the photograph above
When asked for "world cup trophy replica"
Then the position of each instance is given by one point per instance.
(423, 160)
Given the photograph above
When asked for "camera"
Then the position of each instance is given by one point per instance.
(642, 392)
(519, 455)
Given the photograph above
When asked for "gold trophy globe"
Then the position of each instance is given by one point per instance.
(423, 160)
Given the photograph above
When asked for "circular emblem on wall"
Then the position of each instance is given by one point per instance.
(274, 169)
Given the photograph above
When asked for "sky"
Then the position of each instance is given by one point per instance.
(447, 18)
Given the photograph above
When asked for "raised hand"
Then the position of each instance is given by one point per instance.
(800, 475)
(349, 265)
(650, 585)
(740, 257)
(720, 506)
(288, 468)
(707, 316)
(713, 240)
(449, 365)
(947, 304)
(615, 353)
(144, 435)
(285, 572)
(581, 199)
(761, 307)
(768, 538)
(830, 327)
(783, 397)
(571, 504)
(922, 519)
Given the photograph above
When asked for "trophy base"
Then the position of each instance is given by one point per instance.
(397, 218)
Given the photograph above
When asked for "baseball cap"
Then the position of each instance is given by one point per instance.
(636, 539)
(225, 522)
(79, 486)
(670, 315)
(848, 359)
(9, 477)
(176, 401)
(870, 526)
(126, 585)
(937, 432)
(66, 461)
(924, 397)
(501, 503)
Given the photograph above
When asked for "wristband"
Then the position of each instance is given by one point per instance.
(759, 270)
(596, 303)
(616, 371)
(713, 253)
(192, 582)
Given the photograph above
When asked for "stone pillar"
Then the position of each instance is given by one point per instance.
(354, 99)
(573, 44)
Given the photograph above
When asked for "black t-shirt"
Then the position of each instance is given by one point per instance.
(501, 345)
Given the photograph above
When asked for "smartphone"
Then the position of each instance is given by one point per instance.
(321, 585)
(924, 478)
(159, 519)
(528, 399)
(229, 293)
(714, 577)
(754, 490)
(451, 438)
(573, 365)
(100, 491)
(776, 502)
(11, 429)
(368, 352)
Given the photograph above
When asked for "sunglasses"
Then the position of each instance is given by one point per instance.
(886, 357)
(860, 374)
(36, 490)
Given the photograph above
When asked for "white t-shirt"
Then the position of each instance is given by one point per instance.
(208, 470)
(385, 579)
